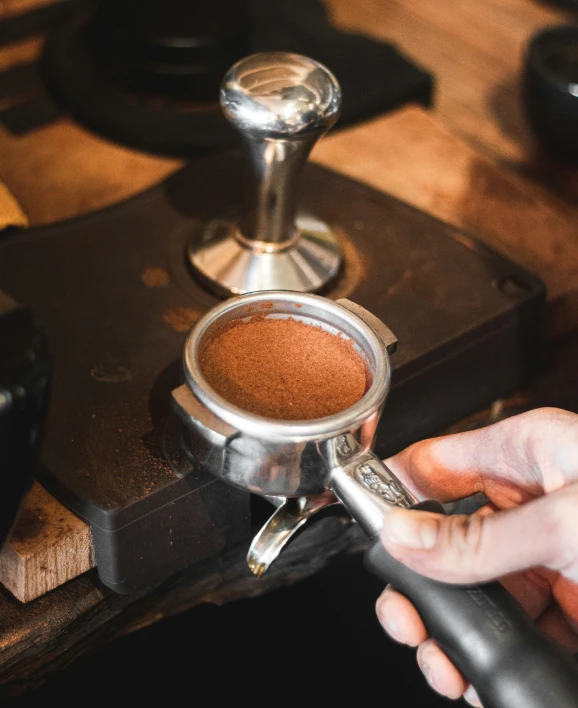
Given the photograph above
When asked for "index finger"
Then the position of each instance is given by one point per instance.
(501, 460)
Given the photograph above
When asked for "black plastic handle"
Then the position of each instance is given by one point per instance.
(488, 636)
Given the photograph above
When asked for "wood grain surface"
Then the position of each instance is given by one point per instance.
(475, 50)
(61, 171)
(11, 213)
(48, 547)
(413, 156)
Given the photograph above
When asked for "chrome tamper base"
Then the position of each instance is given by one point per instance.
(281, 104)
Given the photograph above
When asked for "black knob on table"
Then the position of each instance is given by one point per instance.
(551, 90)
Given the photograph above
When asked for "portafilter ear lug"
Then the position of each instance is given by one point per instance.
(383, 332)
(197, 416)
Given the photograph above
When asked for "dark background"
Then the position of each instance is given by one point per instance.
(315, 642)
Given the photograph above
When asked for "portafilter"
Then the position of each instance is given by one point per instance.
(305, 465)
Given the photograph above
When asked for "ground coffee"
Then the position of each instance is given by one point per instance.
(284, 369)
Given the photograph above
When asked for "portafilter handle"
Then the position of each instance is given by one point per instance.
(482, 629)
(281, 104)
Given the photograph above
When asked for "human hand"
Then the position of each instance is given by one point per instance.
(527, 466)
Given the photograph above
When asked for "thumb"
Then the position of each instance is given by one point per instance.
(485, 546)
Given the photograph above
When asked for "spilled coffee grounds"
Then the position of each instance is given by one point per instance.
(284, 369)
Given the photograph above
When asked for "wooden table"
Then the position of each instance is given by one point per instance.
(470, 161)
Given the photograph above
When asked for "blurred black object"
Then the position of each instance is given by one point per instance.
(147, 74)
(564, 4)
(24, 375)
(551, 90)
(180, 48)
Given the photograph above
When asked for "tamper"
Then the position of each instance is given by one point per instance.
(281, 104)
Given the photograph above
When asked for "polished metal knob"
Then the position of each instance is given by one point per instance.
(281, 104)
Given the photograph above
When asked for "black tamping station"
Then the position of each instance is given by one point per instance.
(470, 323)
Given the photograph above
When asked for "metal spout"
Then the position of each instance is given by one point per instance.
(287, 520)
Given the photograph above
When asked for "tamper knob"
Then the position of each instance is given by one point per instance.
(280, 95)
(280, 103)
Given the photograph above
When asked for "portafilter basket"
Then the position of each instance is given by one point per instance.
(304, 466)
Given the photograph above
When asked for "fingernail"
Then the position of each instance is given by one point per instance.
(428, 675)
(472, 697)
(413, 529)
(390, 624)
(426, 670)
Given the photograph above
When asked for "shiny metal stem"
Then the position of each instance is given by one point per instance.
(274, 168)
(363, 484)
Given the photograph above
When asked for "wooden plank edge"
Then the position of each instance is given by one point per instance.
(48, 546)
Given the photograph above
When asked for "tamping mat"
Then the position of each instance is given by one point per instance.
(116, 300)
(70, 79)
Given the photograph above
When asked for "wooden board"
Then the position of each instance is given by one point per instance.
(11, 213)
(412, 155)
(62, 171)
(475, 50)
(48, 547)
